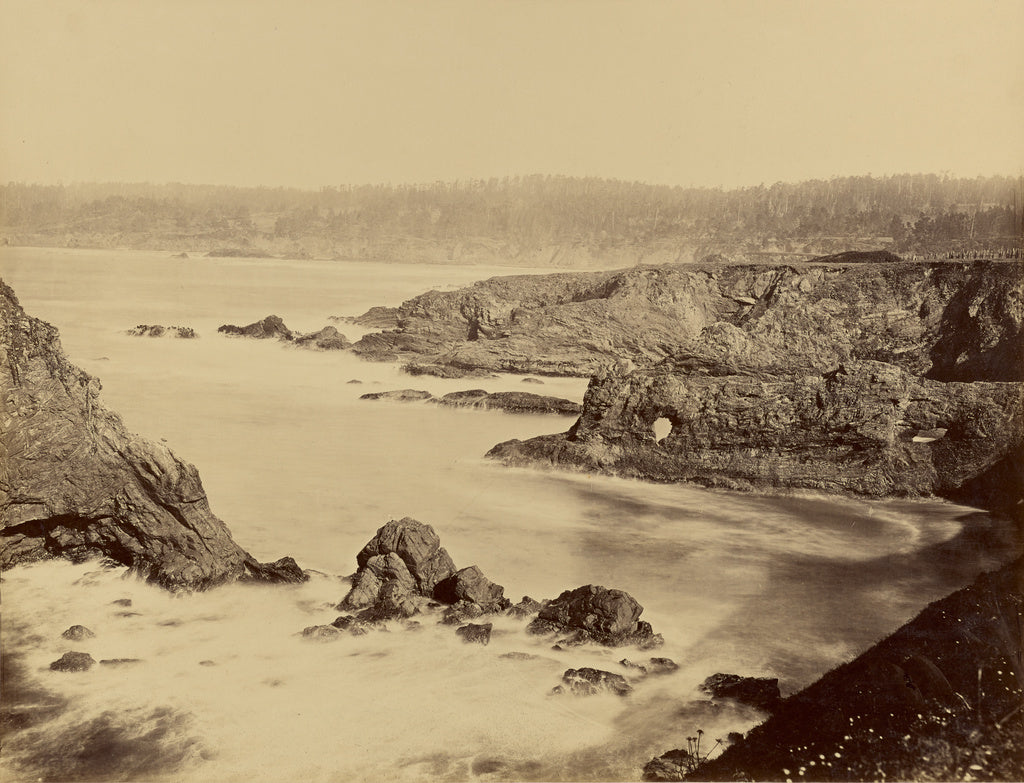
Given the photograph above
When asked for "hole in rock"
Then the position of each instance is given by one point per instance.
(662, 427)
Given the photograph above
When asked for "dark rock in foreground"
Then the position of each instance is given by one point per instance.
(78, 485)
(760, 692)
(588, 682)
(596, 614)
(155, 330)
(939, 699)
(327, 339)
(400, 395)
(269, 327)
(73, 662)
(475, 634)
(77, 633)
(511, 402)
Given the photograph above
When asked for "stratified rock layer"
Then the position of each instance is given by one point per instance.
(75, 483)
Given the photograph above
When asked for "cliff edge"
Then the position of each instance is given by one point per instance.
(75, 483)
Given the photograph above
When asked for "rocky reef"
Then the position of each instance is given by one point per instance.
(156, 330)
(510, 402)
(75, 483)
(270, 327)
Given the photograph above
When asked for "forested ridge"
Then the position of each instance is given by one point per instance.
(516, 216)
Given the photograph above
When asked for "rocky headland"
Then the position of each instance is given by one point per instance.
(75, 483)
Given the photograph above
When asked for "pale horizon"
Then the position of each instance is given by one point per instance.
(688, 94)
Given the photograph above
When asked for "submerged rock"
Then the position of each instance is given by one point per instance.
(73, 662)
(401, 395)
(475, 634)
(79, 485)
(155, 330)
(588, 682)
(760, 692)
(77, 633)
(270, 327)
(596, 614)
(511, 402)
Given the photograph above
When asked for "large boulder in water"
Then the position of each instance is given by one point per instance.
(595, 613)
(76, 484)
(470, 584)
(760, 692)
(271, 326)
(588, 682)
(419, 547)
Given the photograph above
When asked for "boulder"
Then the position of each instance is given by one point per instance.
(595, 614)
(588, 682)
(469, 584)
(73, 662)
(400, 395)
(77, 633)
(760, 692)
(78, 485)
(327, 339)
(461, 613)
(270, 327)
(475, 634)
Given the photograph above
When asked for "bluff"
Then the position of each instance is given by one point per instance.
(75, 483)
(948, 321)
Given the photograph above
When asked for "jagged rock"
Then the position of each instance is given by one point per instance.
(461, 613)
(850, 430)
(282, 571)
(511, 402)
(398, 571)
(155, 330)
(77, 633)
(327, 339)
(475, 634)
(79, 485)
(760, 692)
(469, 584)
(588, 682)
(271, 326)
(951, 321)
(73, 662)
(401, 395)
(353, 625)
(595, 614)
(374, 318)
(526, 607)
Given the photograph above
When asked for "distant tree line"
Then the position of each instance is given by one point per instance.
(917, 211)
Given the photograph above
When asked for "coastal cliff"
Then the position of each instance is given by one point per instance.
(947, 321)
(75, 483)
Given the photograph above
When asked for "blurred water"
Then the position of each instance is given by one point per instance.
(296, 464)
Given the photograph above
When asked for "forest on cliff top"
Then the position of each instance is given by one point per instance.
(910, 213)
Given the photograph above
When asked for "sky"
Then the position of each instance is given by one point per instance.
(308, 93)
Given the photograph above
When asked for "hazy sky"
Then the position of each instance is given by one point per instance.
(705, 93)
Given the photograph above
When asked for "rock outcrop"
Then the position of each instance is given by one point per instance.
(939, 699)
(760, 692)
(73, 662)
(399, 395)
(592, 613)
(374, 318)
(949, 321)
(156, 330)
(589, 682)
(866, 427)
(327, 339)
(511, 402)
(75, 483)
(270, 327)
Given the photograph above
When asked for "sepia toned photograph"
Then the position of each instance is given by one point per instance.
(511, 390)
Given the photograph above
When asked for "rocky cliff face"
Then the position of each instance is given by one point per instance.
(868, 427)
(877, 379)
(949, 321)
(75, 483)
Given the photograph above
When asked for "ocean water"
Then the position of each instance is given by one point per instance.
(225, 688)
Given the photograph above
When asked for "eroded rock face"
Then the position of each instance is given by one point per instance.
(855, 429)
(949, 321)
(75, 483)
(270, 327)
(597, 614)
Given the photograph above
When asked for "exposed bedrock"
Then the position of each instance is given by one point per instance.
(75, 483)
(949, 321)
(867, 427)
